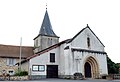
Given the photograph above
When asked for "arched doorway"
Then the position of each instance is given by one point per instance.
(87, 70)
(91, 69)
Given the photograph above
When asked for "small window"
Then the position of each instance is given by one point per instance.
(36, 43)
(35, 67)
(11, 72)
(88, 42)
(38, 68)
(52, 57)
(11, 61)
(41, 68)
(49, 42)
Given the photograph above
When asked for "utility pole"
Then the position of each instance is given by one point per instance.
(20, 54)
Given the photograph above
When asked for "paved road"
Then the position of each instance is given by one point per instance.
(88, 80)
(64, 80)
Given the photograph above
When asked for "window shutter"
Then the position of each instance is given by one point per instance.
(7, 61)
(14, 62)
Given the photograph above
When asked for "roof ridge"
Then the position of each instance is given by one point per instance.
(82, 31)
(14, 45)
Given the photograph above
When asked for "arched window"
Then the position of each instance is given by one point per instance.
(88, 42)
(36, 43)
(49, 42)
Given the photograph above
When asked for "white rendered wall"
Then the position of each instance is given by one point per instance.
(81, 41)
(75, 60)
(43, 59)
(61, 66)
(78, 61)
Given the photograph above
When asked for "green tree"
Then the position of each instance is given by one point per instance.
(113, 68)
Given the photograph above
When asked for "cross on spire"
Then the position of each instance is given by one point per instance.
(46, 6)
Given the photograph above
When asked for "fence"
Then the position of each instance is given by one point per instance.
(114, 76)
(14, 78)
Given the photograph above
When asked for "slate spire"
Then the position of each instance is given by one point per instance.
(46, 28)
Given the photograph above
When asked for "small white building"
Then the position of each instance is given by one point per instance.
(84, 53)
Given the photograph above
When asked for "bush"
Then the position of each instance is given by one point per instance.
(21, 73)
(78, 75)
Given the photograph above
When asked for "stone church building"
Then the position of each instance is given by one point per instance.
(84, 53)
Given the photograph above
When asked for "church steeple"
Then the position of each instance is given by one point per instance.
(46, 36)
(46, 27)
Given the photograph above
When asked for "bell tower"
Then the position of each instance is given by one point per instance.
(46, 36)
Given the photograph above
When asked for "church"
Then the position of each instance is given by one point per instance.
(83, 53)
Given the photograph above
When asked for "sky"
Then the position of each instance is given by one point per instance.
(23, 18)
